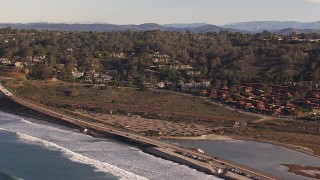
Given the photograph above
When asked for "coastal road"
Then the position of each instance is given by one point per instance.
(5, 91)
(133, 137)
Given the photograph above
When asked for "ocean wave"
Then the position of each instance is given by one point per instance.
(8, 177)
(75, 157)
(9, 117)
(99, 151)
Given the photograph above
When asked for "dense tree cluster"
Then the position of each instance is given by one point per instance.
(222, 58)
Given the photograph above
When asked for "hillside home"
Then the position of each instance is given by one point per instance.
(18, 64)
(5, 61)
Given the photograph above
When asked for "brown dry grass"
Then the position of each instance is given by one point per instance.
(164, 105)
(74, 96)
(304, 140)
(306, 143)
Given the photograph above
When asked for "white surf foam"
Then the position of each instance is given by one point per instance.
(75, 157)
(115, 154)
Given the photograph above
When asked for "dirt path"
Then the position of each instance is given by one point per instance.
(209, 137)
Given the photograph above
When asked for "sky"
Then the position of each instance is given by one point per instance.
(217, 12)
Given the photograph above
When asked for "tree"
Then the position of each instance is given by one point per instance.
(65, 75)
(216, 83)
(41, 71)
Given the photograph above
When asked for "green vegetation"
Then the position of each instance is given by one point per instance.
(140, 59)
(222, 58)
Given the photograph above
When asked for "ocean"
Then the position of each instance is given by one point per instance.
(32, 149)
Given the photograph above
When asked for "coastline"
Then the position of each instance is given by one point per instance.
(213, 137)
(157, 152)
(306, 171)
(21, 111)
(301, 149)
(142, 142)
(264, 156)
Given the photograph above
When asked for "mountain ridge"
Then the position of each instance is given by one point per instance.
(280, 27)
(112, 27)
(256, 26)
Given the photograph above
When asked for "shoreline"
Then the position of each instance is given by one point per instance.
(162, 153)
(306, 171)
(195, 162)
(213, 137)
(208, 137)
(156, 151)
(300, 149)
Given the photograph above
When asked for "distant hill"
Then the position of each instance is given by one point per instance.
(64, 27)
(295, 30)
(185, 25)
(113, 27)
(285, 27)
(258, 26)
(205, 29)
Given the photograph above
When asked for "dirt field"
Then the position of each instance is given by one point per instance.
(143, 125)
(148, 104)
(169, 113)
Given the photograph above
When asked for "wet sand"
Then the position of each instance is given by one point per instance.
(306, 171)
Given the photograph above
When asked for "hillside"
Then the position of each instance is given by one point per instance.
(258, 26)
(113, 27)
(288, 31)
(244, 27)
(151, 57)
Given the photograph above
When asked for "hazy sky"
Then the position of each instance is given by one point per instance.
(159, 11)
